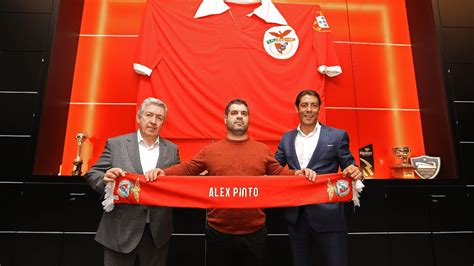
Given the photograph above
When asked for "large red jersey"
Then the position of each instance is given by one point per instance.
(198, 65)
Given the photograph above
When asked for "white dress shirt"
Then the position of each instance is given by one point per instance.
(266, 11)
(306, 144)
(148, 154)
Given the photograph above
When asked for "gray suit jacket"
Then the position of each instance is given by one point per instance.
(122, 228)
(331, 153)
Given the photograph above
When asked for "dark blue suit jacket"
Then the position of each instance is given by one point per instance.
(331, 153)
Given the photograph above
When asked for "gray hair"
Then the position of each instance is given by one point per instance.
(149, 101)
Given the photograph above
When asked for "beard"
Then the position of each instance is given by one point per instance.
(238, 131)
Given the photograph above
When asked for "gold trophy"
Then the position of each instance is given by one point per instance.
(77, 170)
(403, 169)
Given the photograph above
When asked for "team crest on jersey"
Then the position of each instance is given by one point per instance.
(342, 187)
(281, 42)
(320, 23)
(124, 188)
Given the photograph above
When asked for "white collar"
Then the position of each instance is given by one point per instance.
(316, 128)
(266, 11)
(140, 139)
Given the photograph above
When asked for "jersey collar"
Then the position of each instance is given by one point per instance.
(266, 11)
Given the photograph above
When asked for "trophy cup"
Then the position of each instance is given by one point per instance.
(80, 138)
(403, 169)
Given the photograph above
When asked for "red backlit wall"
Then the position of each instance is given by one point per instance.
(375, 99)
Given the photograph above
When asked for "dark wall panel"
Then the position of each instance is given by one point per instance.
(458, 43)
(465, 121)
(470, 202)
(14, 158)
(186, 250)
(7, 249)
(278, 251)
(81, 250)
(23, 32)
(449, 247)
(368, 250)
(35, 6)
(448, 211)
(276, 222)
(82, 208)
(411, 250)
(16, 113)
(407, 210)
(11, 193)
(456, 13)
(59, 207)
(42, 207)
(20, 71)
(462, 81)
(467, 157)
(189, 221)
(371, 215)
(37, 249)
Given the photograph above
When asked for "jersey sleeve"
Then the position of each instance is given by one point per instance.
(323, 45)
(148, 53)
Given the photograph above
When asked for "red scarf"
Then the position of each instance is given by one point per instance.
(228, 191)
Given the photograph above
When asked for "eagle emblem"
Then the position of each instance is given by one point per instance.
(280, 42)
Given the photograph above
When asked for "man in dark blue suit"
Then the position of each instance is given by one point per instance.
(323, 149)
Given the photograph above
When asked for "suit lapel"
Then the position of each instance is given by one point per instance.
(321, 147)
(296, 162)
(133, 153)
(163, 154)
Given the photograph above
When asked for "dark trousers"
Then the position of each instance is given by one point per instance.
(235, 250)
(145, 254)
(332, 245)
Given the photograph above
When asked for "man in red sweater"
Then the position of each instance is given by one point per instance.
(234, 236)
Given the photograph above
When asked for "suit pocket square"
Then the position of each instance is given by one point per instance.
(330, 145)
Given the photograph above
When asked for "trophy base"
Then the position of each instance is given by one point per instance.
(77, 170)
(403, 171)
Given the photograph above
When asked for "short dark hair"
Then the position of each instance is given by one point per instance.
(304, 93)
(235, 101)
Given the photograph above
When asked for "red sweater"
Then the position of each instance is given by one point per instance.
(233, 158)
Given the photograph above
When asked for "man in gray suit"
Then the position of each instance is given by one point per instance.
(323, 149)
(135, 232)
